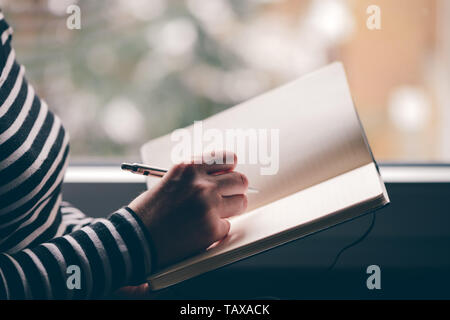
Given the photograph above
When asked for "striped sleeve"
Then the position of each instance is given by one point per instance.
(49, 249)
(72, 219)
(87, 263)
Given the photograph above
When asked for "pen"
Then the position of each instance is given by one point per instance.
(145, 170)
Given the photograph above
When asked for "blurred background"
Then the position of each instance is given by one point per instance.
(138, 69)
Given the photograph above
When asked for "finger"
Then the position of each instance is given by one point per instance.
(218, 161)
(178, 177)
(222, 229)
(231, 183)
(233, 205)
(180, 170)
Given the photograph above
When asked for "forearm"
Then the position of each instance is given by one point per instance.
(110, 253)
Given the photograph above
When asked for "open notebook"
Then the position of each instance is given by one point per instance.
(326, 172)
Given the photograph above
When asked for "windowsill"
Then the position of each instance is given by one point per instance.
(391, 173)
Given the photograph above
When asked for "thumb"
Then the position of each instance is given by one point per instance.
(222, 229)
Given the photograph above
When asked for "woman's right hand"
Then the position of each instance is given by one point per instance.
(186, 212)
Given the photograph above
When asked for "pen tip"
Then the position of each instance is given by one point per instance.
(252, 190)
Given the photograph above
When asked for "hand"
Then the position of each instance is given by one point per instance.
(186, 212)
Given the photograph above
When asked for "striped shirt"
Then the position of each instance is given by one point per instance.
(41, 236)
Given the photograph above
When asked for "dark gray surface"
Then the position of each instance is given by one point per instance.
(410, 241)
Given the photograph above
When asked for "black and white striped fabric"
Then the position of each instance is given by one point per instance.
(40, 235)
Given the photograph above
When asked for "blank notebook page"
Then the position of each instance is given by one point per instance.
(305, 206)
(320, 135)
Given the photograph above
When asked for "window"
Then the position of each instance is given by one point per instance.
(139, 69)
